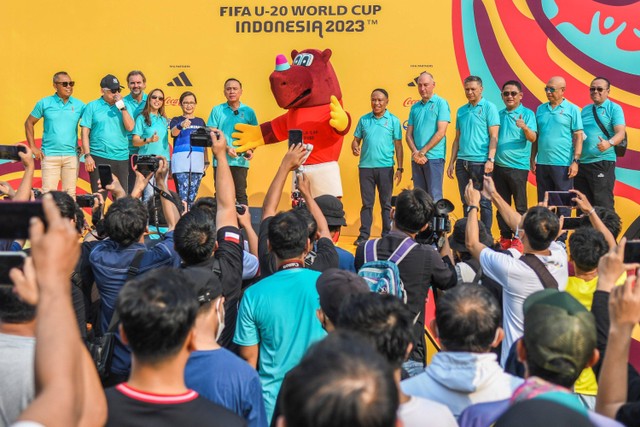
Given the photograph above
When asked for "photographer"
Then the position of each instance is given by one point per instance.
(323, 254)
(422, 266)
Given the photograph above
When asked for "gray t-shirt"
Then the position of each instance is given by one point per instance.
(17, 387)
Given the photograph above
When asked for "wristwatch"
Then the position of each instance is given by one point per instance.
(400, 170)
(491, 159)
(611, 143)
(576, 161)
(469, 208)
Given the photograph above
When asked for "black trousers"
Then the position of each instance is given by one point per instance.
(553, 178)
(596, 181)
(464, 171)
(511, 185)
(120, 168)
(370, 178)
(239, 175)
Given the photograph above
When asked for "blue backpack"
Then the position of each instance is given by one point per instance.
(383, 276)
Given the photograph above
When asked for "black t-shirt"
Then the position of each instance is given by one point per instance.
(128, 407)
(324, 257)
(229, 255)
(421, 268)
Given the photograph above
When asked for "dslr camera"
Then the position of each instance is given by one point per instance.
(440, 225)
(85, 200)
(201, 137)
(147, 164)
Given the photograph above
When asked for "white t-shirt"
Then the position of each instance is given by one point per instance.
(518, 281)
(419, 412)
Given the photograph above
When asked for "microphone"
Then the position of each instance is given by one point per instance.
(236, 112)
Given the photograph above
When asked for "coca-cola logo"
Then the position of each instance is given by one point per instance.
(408, 102)
(172, 101)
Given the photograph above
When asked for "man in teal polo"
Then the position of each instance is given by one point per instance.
(474, 149)
(225, 117)
(105, 124)
(517, 131)
(135, 102)
(426, 137)
(59, 154)
(559, 145)
(380, 134)
(597, 174)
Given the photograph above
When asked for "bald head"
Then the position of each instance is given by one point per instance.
(555, 90)
(557, 80)
(426, 85)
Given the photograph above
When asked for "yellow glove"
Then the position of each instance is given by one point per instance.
(339, 118)
(247, 137)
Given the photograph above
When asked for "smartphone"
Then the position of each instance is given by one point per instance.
(10, 152)
(104, 171)
(632, 251)
(295, 137)
(16, 216)
(85, 200)
(571, 223)
(477, 180)
(9, 260)
(560, 198)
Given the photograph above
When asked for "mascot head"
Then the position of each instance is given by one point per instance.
(308, 82)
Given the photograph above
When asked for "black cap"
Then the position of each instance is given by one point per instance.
(335, 286)
(110, 82)
(456, 240)
(203, 280)
(332, 210)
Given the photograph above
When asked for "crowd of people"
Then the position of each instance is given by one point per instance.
(216, 323)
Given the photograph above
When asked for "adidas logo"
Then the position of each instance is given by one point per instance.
(414, 82)
(600, 175)
(181, 80)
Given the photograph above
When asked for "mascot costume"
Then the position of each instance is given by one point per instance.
(309, 91)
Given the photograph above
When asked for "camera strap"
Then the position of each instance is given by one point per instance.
(165, 195)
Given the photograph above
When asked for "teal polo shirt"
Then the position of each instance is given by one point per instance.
(555, 133)
(473, 122)
(159, 125)
(108, 137)
(424, 117)
(134, 108)
(610, 115)
(378, 139)
(514, 150)
(60, 136)
(224, 118)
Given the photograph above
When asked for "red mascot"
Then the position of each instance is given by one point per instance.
(309, 91)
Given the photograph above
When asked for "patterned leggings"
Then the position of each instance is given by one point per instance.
(187, 193)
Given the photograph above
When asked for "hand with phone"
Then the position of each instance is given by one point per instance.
(562, 199)
(294, 157)
(106, 177)
(581, 201)
(9, 260)
(614, 263)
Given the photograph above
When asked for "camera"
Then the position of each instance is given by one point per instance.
(240, 209)
(440, 224)
(37, 193)
(147, 164)
(85, 200)
(201, 137)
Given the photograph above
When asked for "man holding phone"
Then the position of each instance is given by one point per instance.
(225, 117)
(380, 134)
(59, 155)
(105, 124)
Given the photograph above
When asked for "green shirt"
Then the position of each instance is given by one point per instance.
(108, 137)
(378, 139)
(158, 125)
(424, 117)
(555, 133)
(223, 117)
(60, 136)
(474, 122)
(514, 151)
(610, 115)
(134, 108)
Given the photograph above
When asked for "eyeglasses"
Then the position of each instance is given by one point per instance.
(506, 93)
(160, 98)
(551, 89)
(599, 89)
(188, 103)
(113, 90)
(65, 84)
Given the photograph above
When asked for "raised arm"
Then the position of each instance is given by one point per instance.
(292, 160)
(24, 189)
(225, 190)
(508, 213)
(170, 210)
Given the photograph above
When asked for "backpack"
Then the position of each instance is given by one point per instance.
(383, 276)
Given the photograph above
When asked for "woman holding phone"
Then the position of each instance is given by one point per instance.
(189, 163)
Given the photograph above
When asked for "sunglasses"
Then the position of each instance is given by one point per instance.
(599, 89)
(506, 93)
(551, 89)
(161, 98)
(114, 90)
(65, 84)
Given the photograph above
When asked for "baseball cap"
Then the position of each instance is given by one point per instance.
(335, 286)
(456, 240)
(332, 209)
(110, 82)
(203, 280)
(559, 332)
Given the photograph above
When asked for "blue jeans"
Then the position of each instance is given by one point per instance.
(464, 171)
(187, 185)
(429, 177)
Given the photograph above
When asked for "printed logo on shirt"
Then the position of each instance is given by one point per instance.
(180, 80)
(231, 237)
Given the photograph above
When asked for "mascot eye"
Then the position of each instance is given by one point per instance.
(303, 59)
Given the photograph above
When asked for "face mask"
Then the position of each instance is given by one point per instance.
(220, 319)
